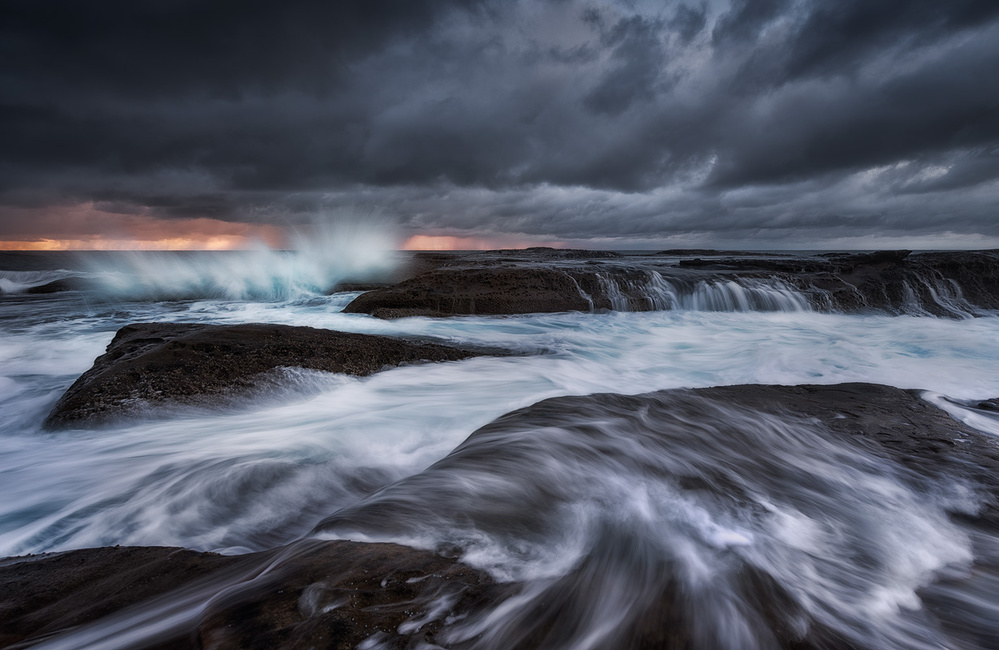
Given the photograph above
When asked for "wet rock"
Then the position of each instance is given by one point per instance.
(469, 291)
(153, 366)
(890, 421)
(309, 594)
(359, 286)
(953, 284)
(868, 259)
(548, 253)
(692, 441)
(337, 595)
(46, 594)
(317, 594)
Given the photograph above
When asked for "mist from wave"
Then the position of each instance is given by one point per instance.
(321, 255)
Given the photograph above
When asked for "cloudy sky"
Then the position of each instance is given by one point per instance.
(601, 123)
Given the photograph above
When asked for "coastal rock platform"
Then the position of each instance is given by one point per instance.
(152, 366)
(954, 284)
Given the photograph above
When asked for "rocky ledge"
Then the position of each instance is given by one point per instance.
(149, 367)
(468, 291)
(955, 284)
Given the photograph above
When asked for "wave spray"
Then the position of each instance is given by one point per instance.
(332, 248)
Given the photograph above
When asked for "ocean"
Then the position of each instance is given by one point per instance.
(317, 447)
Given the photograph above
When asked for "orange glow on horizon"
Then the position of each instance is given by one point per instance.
(432, 243)
(160, 235)
(208, 242)
(83, 227)
(170, 244)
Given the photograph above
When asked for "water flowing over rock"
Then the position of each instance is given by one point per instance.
(845, 516)
(306, 595)
(732, 517)
(953, 284)
(149, 367)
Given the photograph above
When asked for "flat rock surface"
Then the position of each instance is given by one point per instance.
(151, 365)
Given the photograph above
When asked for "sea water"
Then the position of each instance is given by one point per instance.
(262, 474)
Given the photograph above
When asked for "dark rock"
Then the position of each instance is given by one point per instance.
(763, 266)
(548, 253)
(309, 594)
(149, 366)
(890, 421)
(870, 259)
(336, 595)
(651, 437)
(317, 594)
(975, 273)
(359, 286)
(330, 595)
(467, 291)
(46, 594)
(954, 284)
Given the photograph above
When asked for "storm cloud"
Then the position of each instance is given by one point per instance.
(797, 122)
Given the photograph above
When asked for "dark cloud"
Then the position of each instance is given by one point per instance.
(932, 108)
(688, 22)
(838, 36)
(219, 48)
(746, 19)
(639, 55)
(562, 118)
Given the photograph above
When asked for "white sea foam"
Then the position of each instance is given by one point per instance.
(265, 474)
(331, 249)
(412, 416)
(20, 281)
(585, 504)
